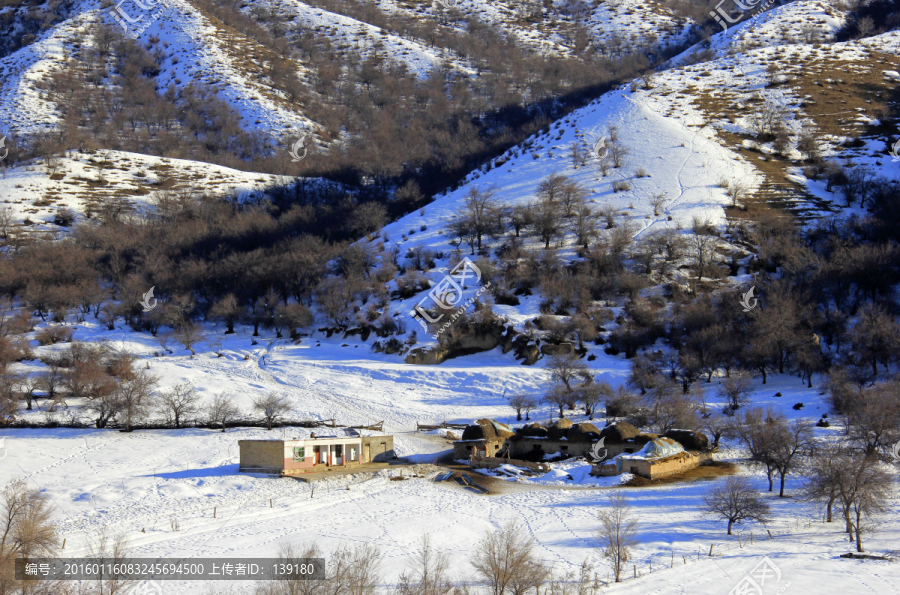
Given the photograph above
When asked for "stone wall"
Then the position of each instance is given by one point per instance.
(261, 456)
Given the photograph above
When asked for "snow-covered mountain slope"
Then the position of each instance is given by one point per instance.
(83, 182)
(801, 22)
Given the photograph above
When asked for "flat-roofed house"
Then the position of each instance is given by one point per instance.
(313, 454)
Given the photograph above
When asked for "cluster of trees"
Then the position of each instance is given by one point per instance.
(857, 484)
(505, 559)
(110, 97)
(505, 562)
(114, 390)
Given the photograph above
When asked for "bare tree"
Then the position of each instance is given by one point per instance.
(135, 395)
(737, 390)
(26, 531)
(736, 501)
(221, 411)
(50, 382)
(874, 416)
(477, 214)
(737, 190)
(617, 153)
(190, 334)
(715, 426)
(530, 404)
(6, 221)
(758, 430)
(517, 402)
(704, 244)
(558, 396)
(790, 440)
(503, 555)
(272, 407)
(428, 572)
(178, 403)
(865, 489)
(355, 570)
(109, 550)
(228, 310)
(566, 369)
(825, 475)
(767, 120)
(545, 220)
(618, 533)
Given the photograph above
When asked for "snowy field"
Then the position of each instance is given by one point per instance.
(138, 483)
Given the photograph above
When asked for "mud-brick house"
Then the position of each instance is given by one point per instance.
(660, 457)
(484, 438)
(532, 442)
(313, 454)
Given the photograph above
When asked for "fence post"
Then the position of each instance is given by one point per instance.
(770, 534)
(214, 512)
(635, 571)
(710, 548)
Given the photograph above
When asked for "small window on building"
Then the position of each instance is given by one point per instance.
(629, 450)
(299, 454)
(338, 450)
(468, 448)
(564, 448)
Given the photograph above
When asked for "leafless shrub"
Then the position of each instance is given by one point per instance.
(221, 411)
(658, 201)
(428, 572)
(621, 186)
(54, 334)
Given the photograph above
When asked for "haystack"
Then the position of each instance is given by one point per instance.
(486, 429)
(559, 429)
(532, 430)
(619, 432)
(642, 439)
(583, 432)
(688, 439)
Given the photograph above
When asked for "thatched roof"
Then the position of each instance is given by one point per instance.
(532, 430)
(559, 429)
(642, 439)
(688, 439)
(583, 432)
(619, 432)
(486, 429)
